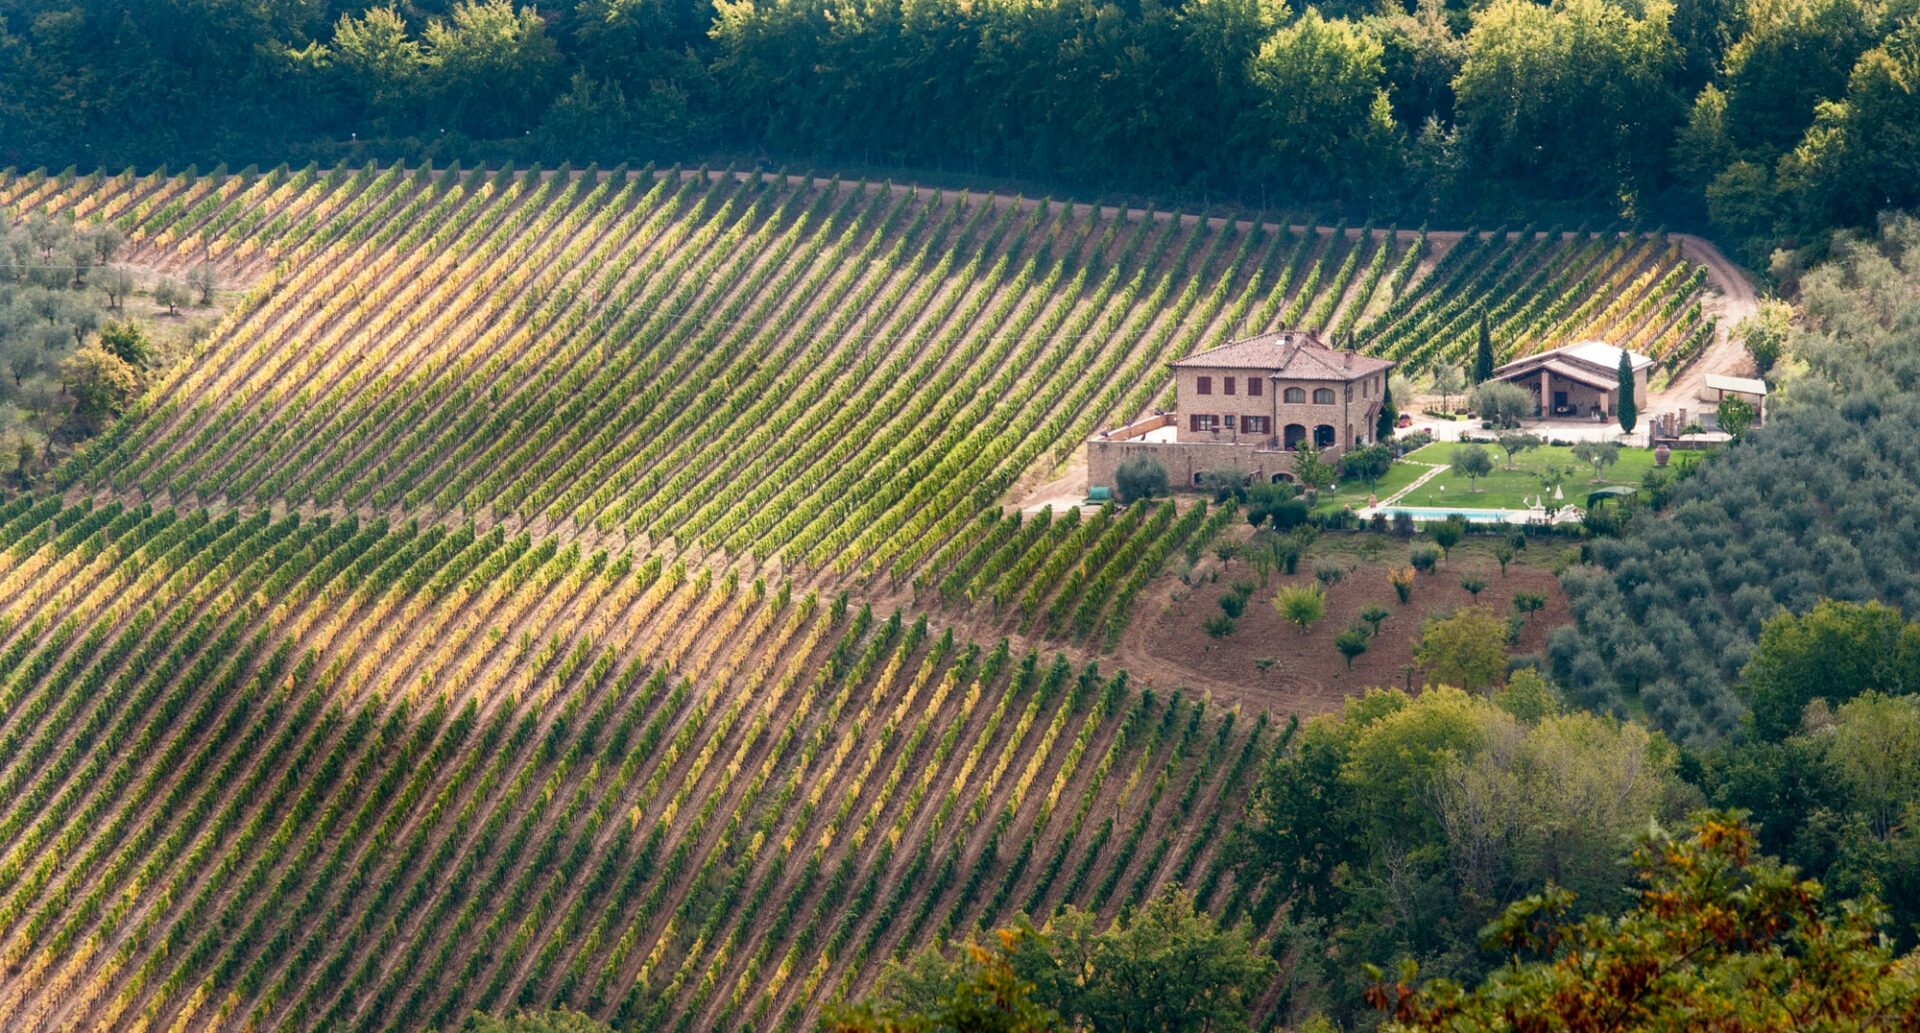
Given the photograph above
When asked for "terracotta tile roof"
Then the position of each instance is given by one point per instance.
(1599, 356)
(1288, 354)
(1579, 375)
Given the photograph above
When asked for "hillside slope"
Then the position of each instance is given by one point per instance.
(481, 619)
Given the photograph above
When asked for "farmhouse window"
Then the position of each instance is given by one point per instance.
(1205, 386)
(1253, 387)
(1256, 424)
(1203, 421)
(1296, 395)
(1226, 385)
(1229, 421)
(1323, 396)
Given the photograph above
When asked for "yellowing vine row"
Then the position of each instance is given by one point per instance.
(267, 773)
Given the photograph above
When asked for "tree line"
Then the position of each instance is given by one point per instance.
(1764, 119)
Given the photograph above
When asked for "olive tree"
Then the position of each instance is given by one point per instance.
(1504, 404)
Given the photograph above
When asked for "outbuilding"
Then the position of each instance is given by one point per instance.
(1578, 380)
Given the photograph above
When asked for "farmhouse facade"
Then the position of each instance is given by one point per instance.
(1577, 380)
(1247, 406)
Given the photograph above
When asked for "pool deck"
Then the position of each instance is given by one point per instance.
(1564, 515)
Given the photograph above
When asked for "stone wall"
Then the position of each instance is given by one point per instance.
(1184, 459)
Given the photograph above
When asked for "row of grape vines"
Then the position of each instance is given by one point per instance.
(1541, 290)
(265, 773)
(746, 365)
(836, 377)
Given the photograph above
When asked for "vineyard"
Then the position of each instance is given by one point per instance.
(497, 594)
(831, 375)
(237, 748)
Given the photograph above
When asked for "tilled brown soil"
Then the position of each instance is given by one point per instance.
(1309, 675)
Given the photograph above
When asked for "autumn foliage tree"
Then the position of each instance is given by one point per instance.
(1720, 937)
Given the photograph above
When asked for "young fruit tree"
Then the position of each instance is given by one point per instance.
(1351, 642)
(1300, 605)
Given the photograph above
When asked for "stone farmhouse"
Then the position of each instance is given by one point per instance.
(1247, 406)
(1578, 380)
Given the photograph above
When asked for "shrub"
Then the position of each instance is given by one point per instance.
(1473, 585)
(1374, 613)
(1223, 484)
(1447, 533)
(1735, 415)
(1424, 558)
(1412, 441)
(1528, 602)
(1501, 403)
(1234, 603)
(1351, 642)
(1218, 626)
(1288, 514)
(1503, 554)
(1369, 463)
(1401, 578)
(1403, 525)
(1329, 571)
(1139, 477)
(1301, 604)
(1286, 554)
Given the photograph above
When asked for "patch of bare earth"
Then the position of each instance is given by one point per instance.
(1308, 674)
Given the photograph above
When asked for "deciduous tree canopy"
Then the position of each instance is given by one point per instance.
(1774, 117)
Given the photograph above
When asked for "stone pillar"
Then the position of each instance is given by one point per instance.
(1546, 395)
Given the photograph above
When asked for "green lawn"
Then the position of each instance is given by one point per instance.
(1506, 489)
(1354, 493)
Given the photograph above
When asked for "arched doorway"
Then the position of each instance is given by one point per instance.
(1295, 434)
(1324, 436)
(1283, 478)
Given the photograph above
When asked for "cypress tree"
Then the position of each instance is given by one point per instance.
(1483, 355)
(1624, 403)
(1383, 427)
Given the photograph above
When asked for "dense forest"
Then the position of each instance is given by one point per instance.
(1765, 120)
